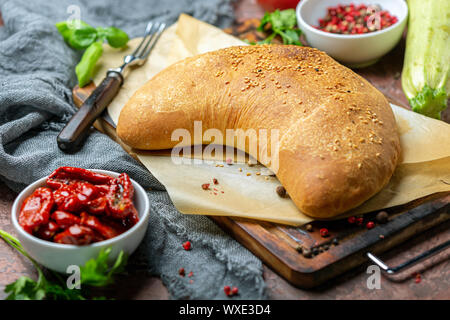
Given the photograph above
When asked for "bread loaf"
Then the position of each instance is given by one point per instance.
(338, 141)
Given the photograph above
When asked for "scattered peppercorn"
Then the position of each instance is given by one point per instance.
(281, 191)
(370, 225)
(307, 252)
(309, 228)
(359, 221)
(181, 272)
(382, 217)
(351, 220)
(227, 290)
(190, 274)
(418, 278)
(215, 181)
(324, 232)
(205, 186)
(187, 245)
(234, 291)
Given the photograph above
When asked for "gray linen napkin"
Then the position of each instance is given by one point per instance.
(36, 74)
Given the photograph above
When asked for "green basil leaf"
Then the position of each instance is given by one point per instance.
(67, 28)
(116, 37)
(83, 37)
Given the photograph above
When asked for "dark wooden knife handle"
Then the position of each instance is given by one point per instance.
(73, 134)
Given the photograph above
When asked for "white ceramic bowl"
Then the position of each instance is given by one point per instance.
(358, 50)
(58, 257)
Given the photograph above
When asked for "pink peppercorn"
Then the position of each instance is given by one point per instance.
(351, 220)
(370, 225)
(205, 186)
(187, 245)
(324, 232)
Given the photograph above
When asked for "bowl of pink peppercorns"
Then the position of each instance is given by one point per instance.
(356, 33)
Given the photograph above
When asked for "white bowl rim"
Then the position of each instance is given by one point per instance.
(351, 36)
(104, 243)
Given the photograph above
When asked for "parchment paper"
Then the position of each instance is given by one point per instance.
(244, 191)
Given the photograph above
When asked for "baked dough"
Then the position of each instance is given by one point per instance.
(338, 140)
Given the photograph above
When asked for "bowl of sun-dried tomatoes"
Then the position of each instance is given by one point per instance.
(67, 217)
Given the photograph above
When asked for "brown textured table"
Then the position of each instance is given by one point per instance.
(435, 284)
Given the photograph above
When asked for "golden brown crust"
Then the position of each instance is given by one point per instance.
(338, 139)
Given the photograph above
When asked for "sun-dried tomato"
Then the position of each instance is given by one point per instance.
(132, 218)
(94, 223)
(36, 209)
(69, 175)
(65, 219)
(97, 206)
(75, 197)
(120, 197)
(78, 235)
(47, 231)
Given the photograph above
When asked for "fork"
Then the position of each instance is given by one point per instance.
(76, 130)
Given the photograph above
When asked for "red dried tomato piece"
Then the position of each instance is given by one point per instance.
(75, 197)
(47, 231)
(64, 176)
(66, 199)
(78, 235)
(120, 197)
(92, 222)
(132, 218)
(36, 209)
(97, 206)
(65, 219)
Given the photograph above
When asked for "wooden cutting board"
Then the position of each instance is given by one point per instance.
(347, 244)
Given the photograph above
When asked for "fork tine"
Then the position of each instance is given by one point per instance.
(149, 40)
(148, 30)
(155, 39)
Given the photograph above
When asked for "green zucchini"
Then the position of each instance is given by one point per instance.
(427, 58)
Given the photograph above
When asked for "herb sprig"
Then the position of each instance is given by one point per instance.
(282, 23)
(95, 273)
(80, 35)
